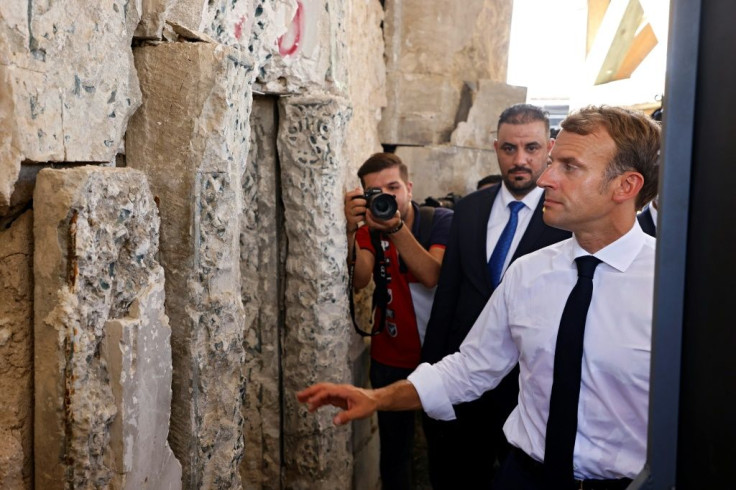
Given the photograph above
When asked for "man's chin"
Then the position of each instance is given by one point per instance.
(520, 186)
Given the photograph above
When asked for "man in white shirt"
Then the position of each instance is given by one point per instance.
(491, 228)
(601, 170)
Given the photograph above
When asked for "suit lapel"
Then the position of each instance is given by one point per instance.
(533, 232)
(482, 226)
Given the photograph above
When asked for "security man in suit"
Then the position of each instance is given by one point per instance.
(491, 228)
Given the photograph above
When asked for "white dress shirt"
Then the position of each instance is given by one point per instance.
(520, 323)
(500, 213)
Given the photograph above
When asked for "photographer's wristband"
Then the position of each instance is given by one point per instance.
(394, 230)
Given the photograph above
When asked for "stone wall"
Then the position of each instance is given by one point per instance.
(67, 83)
(445, 85)
(243, 300)
(16, 353)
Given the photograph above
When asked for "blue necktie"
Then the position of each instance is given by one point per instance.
(498, 257)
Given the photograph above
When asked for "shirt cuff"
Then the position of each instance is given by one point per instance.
(428, 383)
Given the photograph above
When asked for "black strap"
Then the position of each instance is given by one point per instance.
(380, 293)
(380, 274)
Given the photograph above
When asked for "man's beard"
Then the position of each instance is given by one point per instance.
(520, 187)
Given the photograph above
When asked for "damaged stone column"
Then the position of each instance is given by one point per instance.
(262, 251)
(190, 137)
(102, 356)
(16, 353)
(317, 328)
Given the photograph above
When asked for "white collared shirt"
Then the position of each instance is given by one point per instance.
(520, 323)
(500, 213)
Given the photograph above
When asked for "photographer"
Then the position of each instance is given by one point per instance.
(411, 253)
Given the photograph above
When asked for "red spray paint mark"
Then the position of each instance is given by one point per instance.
(289, 42)
(239, 28)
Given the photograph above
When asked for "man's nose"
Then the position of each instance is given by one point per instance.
(546, 179)
(521, 157)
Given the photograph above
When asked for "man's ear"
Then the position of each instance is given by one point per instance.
(495, 145)
(628, 186)
(550, 144)
(409, 186)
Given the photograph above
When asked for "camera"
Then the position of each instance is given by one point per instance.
(383, 206)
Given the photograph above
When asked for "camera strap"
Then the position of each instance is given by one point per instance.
(380, 292)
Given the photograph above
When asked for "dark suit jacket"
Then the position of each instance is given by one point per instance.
(464, 286)
(647, 222)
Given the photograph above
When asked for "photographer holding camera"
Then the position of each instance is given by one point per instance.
(401, 248)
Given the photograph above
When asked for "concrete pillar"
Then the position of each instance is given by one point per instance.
(102, 361)
(16, 354)
(317, 329)
(190, 138)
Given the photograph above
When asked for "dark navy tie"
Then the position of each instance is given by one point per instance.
(498, 257)
(562, 423)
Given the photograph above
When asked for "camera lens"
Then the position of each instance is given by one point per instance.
(383, 206)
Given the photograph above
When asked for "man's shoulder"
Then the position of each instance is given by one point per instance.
(472, 202)
(542, 255)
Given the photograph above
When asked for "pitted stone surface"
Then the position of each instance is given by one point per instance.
(190, 137)
(250, 25)
(431, 51)
(97, 229)
(16, 353)
(67, 82)
(311, 54)
(366, 83)
(262, 248)
(317, 330)
(446, 169)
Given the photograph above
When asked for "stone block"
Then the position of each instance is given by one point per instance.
(99, 333)
(11, 461)
(310, 54)
(317, 330)
(422, 109)
(153, 18)
(190, 137)
(67, 82)
(431, 51)
(262, 251)
(437, 170)
(366, 83)
(252, 25)
(489, 99)
(16, 353)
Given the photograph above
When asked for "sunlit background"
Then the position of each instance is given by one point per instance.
(570, 53)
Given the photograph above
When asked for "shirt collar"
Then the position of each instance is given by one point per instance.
(619, 254)
(530, 200)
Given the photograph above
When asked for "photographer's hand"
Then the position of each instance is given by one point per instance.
(384, 226)
(354, 209)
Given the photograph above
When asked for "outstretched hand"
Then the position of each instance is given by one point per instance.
(356, 403)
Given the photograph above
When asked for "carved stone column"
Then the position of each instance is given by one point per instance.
(317, 328)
